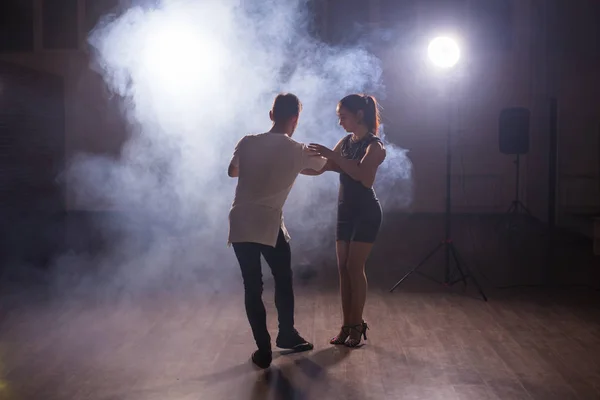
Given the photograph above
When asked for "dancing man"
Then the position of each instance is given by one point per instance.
(267, 166)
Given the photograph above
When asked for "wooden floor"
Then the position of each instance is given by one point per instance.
(421, 346)
(425, 342)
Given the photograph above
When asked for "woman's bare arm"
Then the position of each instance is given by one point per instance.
(364, 170)
(329, 165)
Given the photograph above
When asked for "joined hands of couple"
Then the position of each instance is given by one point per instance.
(333, 158)
(320, 150)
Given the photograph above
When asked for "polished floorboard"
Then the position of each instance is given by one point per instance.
(424, 342)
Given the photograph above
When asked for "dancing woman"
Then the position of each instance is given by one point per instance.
(356, 157)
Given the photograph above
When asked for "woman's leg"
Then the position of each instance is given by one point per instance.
(345, 289)
(341, 248)
(365, 234)
(357, 257)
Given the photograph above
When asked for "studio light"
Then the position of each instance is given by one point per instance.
(443, 52)
(179, 57)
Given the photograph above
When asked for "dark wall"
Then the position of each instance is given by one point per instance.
(32, 142)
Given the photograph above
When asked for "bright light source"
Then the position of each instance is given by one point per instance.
(176, 56)
(443, 52)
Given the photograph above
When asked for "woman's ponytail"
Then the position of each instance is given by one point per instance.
(371, 114)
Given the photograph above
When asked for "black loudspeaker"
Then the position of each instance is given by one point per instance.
(514, 130)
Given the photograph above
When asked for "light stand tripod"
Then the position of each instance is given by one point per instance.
(447, 243)
(516, 205)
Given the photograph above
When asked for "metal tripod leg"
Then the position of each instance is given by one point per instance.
(455, 257)
(512, 208)
(469, 274)
(417, 266)
(519, 204)
(510, 211)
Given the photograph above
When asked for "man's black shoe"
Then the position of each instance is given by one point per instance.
(262, 359)
(293, 341)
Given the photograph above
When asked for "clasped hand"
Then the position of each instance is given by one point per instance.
(322, 151)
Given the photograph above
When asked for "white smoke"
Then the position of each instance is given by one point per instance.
(195, 77)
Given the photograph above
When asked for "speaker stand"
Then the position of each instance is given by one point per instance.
(516, 207)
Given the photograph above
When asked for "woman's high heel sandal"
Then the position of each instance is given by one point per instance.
(362, 331)
(342, 336)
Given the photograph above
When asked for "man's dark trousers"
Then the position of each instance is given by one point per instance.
(279, 260)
